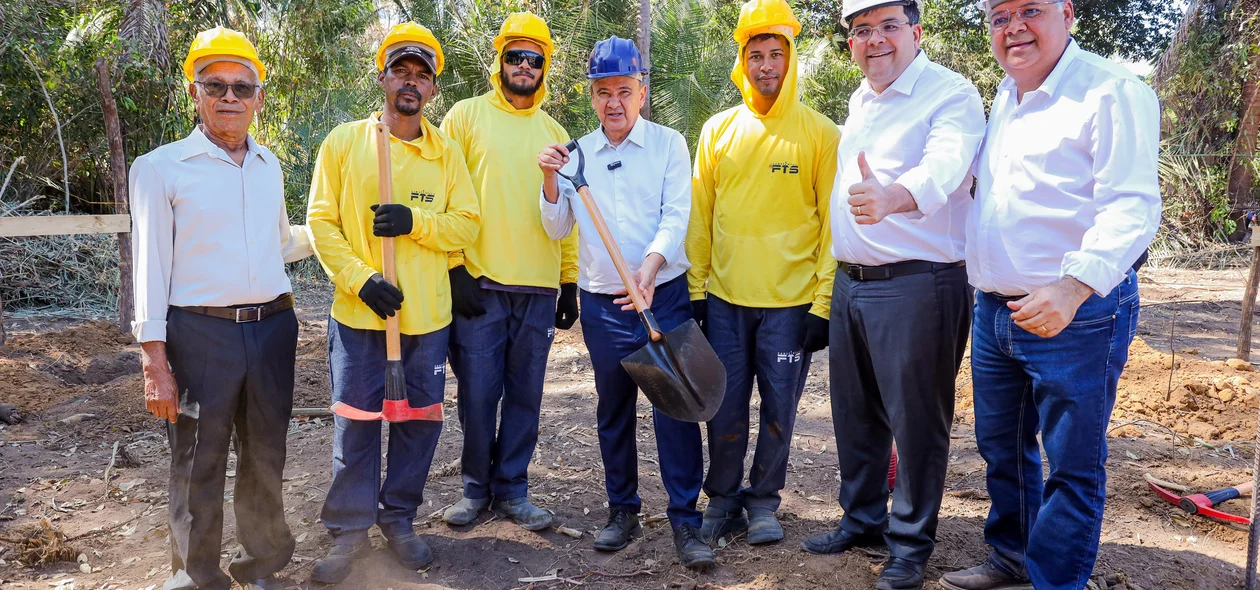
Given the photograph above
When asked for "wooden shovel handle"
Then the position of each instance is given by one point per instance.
(618, 260)
(385, 186)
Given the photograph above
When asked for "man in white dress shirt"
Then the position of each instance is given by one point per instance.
(214, 317)
(640, 175)
(1067, 200)
(901, 306)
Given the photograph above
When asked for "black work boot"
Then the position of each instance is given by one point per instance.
(692, 552)
(335, 567)
(763, 527)
(989, 575)
(622, 526)
(410, 551)
(720, 523)
(900, 574)
(839, 541)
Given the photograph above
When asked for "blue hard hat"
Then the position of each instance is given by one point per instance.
(615, 56)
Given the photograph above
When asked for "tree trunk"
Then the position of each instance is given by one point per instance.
(1240, 171)
(645, 47)
(118, 172)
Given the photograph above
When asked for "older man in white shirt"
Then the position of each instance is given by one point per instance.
(1067, 200)
(901, 305)
(640, 175)
(215, 321)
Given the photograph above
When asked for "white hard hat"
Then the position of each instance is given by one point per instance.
(852, 7)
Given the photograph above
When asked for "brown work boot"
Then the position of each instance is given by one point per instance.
(989, 575)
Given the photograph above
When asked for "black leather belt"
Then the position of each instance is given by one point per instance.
(894, 270)
(1005, 298)
(246, 313)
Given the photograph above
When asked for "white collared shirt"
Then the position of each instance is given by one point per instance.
(646, 202)
(921, 132)
(206, 232)
(1067, 180)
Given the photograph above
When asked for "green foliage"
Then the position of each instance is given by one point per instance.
(1202, 105)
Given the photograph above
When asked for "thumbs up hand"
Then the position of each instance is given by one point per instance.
(870, 202)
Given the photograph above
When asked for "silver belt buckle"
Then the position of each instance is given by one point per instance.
(257, 309)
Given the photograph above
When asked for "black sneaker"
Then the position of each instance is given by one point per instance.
(692, 552)
(335, 567)
(622, 526)
(986, 576)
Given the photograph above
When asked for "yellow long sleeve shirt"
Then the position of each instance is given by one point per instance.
(501, 145)
(759, 234)
(431, 178)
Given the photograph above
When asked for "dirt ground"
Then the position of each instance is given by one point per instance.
(1183, 415)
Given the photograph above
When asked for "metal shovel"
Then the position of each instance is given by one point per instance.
(678, 372)
(395, 408)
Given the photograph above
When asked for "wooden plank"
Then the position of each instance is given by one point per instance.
(1249, 307)
(63, 225)
(118, 172)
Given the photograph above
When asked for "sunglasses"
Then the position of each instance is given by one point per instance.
(219, 89)
(514, 57)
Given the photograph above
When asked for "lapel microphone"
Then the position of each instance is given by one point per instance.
(615, 165)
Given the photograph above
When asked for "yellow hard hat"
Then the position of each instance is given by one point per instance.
(410, 33)
(225, 42)
(524, 25)
(765, 16)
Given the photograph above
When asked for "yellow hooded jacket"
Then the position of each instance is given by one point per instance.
(759, 234)
(501, 145)
(431, 178)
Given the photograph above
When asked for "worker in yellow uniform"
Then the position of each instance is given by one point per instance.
(504, 285)
(761, 267)
(435, 213)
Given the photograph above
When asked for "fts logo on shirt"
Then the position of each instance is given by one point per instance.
(422, 196)
(785, 168)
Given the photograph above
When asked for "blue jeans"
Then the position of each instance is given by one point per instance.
(612, 334)
(762, 345)
(1064, 387)
(356, 363)
(501, 356)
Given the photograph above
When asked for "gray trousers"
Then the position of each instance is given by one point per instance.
(896, 346)
(230, 376)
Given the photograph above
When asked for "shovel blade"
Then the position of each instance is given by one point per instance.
(680, 374)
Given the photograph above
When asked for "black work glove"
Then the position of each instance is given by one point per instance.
(700, 311)
(465, 293)
(391, 220)
(816, 331)
(566, 306)
(384, 298)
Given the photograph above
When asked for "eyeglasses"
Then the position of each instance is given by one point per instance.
(999, 19)
(219, 89)
(886, 29)
(516, 56)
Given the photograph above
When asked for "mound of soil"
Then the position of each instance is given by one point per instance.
(43, 370)
(1210, 400)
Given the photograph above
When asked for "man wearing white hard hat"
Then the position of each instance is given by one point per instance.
(1067, 200)
(901, 306)
(215, 321)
